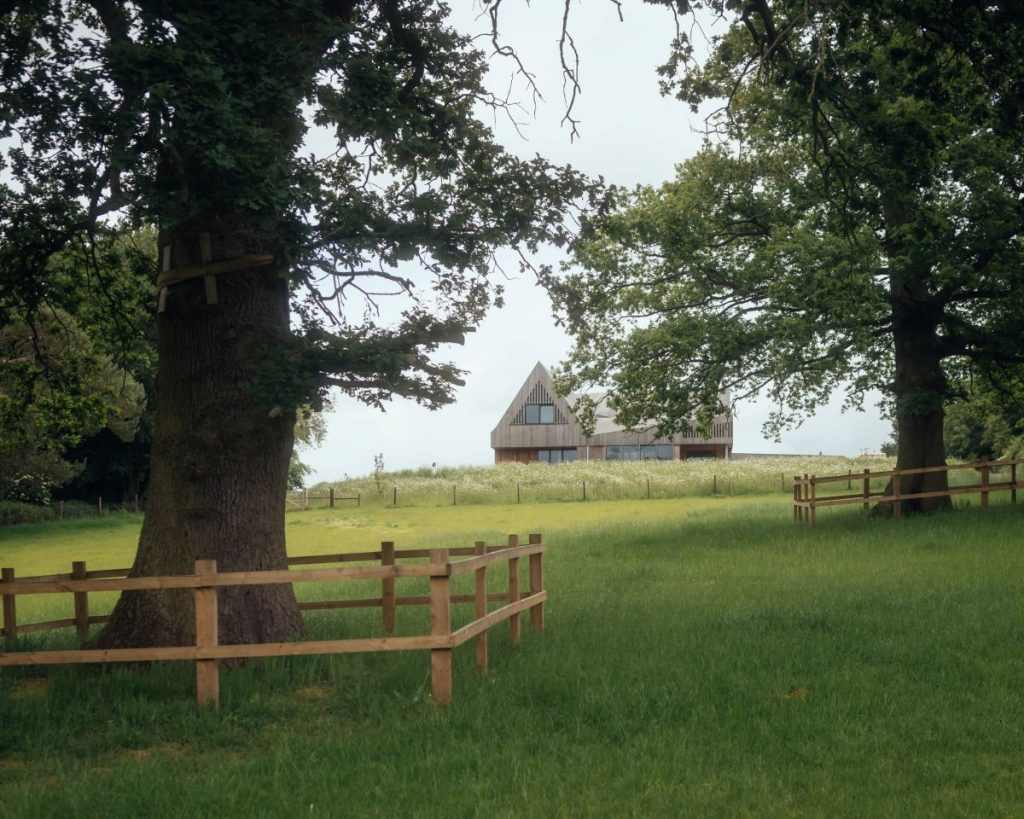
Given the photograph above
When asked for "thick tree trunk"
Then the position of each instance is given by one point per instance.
(920, 389)
(219, 461)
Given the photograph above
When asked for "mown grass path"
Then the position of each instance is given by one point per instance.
(702, 657)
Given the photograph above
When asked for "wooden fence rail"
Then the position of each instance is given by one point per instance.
(301, 499)
(806, 500)
(206, 579)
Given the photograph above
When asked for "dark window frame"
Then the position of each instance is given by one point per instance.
(545, 455)
(540, 410)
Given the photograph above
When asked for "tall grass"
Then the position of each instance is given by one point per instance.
(721, 661)
(605, 480)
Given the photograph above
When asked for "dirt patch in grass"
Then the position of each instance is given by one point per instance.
(30, 688)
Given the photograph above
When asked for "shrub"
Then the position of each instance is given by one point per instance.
(79, 509)
(12, 512)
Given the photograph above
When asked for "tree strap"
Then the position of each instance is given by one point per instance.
(207, 270)
(181, 274)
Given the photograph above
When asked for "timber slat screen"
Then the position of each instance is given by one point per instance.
(205, 581)
(806, 500)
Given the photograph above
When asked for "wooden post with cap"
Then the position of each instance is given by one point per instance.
(537, 585)
(480, 609)
(78, 572)
(10, 610)
(514, 627)
(387, 587)
(207, 671)
(440, 626)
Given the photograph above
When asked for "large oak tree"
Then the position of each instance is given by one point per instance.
(273, 257)
(855, 221)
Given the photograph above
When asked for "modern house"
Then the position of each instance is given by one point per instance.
(539, 426)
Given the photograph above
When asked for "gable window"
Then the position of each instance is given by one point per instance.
(540, 413)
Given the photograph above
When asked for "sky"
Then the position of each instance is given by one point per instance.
(629, 134)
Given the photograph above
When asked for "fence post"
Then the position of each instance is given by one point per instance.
(10, 611)
(394, 496)
(440, 626)
(99, 507)
(207, 671)
(984, 484)
(805, 494)
(897, 505)
(519, 498)
(81, 601)
(648, 489)
(814, 498)
(714, 484)
(514, 627)
(849, 479)
(305, 499)
(387, 587)
(330, 497)
(480, 599)
(1013, 482)
(867, 489)
(359, 499)
(537, 585)
(796, 498)
(584, 490)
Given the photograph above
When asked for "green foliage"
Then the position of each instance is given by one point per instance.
(31, 511)
(852, 222)
(973, 433)
(56, 388)
(193, 118)
(1015, 448)
(310, 429)
(987, 419)
(76, 379)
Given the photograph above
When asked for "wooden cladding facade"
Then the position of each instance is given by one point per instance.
(513, 439)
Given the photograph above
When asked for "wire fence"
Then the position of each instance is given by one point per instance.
(580, 482)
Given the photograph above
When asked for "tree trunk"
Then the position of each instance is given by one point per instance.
(920, 389)
(219, 461)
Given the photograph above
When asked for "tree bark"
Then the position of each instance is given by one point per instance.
(219, 460)
(920, 390)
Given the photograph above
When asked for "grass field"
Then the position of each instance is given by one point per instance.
(702, 657)
(605, 480)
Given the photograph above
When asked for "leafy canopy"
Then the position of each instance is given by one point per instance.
(342, 138)
(863, 176)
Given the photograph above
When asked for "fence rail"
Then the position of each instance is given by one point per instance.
(806, 500)
(206, 579)
(590, 489)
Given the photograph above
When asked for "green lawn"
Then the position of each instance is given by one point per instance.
(701, 657)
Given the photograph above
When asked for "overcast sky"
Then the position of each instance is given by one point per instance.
(630, 135)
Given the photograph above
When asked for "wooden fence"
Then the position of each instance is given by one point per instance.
(806, 499)
(301, 499)
(207, 651)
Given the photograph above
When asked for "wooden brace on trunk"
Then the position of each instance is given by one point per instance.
(208, 270)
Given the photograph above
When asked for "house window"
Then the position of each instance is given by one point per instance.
(635, 452)
(540, 413)
(556, 456)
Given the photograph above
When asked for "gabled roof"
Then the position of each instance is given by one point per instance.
(512, 431)
(538, 388)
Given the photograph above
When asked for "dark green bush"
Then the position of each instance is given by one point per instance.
(12, 512)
